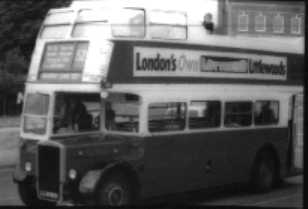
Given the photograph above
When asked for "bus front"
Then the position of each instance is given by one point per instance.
(70, 59)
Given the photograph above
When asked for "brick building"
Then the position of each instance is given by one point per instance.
(262, 18)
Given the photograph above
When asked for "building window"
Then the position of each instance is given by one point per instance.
(296, 23)
(278, 24)
(243, 21)
(260, 23)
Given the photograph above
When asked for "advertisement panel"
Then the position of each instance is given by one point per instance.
(164, 62)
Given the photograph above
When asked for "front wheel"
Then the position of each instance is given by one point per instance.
(264, 173)
(114, 191)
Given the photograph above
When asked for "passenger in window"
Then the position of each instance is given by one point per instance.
(61, 120)
(208, 23)
(110, 116)
(81, 119)
(266, 115)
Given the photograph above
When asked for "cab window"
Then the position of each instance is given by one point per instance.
(167, 116)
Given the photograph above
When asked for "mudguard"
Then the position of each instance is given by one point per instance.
(19, 175)
(90, 180)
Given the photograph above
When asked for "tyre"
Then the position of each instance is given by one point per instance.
(28, 195)
(264, 174)
(114, 191)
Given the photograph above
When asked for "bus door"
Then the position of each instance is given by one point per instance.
(297, 130)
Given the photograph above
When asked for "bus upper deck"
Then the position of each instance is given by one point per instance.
(89, 43)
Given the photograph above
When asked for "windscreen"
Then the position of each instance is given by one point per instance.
(35, 113)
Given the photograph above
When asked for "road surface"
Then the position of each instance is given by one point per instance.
(288, 195)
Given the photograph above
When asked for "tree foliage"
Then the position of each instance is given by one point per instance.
(20, 22)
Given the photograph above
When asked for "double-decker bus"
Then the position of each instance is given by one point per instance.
(126, 102)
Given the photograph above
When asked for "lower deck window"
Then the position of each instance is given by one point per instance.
(167, 116)
(122, 112)
(266, 112)
(76, 112)
(238, 114)
(204, 114)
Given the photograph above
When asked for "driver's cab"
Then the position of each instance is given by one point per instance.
(63, 113)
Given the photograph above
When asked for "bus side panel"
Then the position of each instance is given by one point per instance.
(298, 127)
(182, 162)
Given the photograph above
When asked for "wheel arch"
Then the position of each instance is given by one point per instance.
(125, 168)
(270, 149)
(96, 176)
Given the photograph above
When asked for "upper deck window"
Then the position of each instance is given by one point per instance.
(56, 25)
(128, 23)
(168, 25)
(91, 23)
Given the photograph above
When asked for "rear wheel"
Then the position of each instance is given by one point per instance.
(264, 174)
(115, 190)
(28, 195)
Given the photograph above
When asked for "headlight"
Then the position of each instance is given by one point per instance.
(72, 174)
(28, 166)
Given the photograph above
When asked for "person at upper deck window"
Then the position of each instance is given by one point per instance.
(208, 23)
(110, 116)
